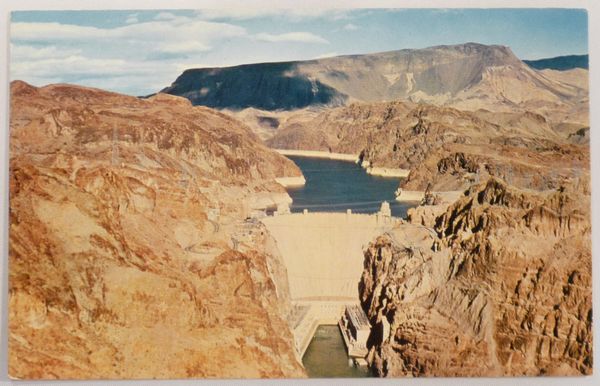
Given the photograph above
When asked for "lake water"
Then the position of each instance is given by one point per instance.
(334, 186)
(326, 356)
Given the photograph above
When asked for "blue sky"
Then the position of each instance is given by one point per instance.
(140, 52)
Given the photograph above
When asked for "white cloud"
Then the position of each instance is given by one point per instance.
(136, 77)
(77, 65)
(165, 16)
(291, 37)
(294, 14)
(141, 56)
(118, 58)
(26, 53)
(153, 31)
(350, 27)
(133, 18)
(184, 47)
(52, 32)
(327, 55)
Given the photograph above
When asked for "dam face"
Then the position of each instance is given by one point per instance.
(323, 254)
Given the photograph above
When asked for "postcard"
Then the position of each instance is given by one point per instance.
(293, 193)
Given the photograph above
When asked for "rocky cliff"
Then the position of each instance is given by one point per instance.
(442, 146)
(501, 286)
(125, 254)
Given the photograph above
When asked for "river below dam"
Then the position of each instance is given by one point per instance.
(326, 356)
(335, 186)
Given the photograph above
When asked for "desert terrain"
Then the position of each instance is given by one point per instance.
(124, 215)
(143, 242)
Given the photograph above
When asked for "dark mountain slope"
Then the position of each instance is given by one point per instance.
(266, 86)
(561, 63)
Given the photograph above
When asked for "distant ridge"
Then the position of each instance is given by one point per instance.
(560, 63)
(469, 75)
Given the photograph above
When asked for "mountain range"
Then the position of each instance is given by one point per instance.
(467, 76)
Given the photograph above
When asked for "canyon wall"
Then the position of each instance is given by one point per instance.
(500, 286)
(124, 260)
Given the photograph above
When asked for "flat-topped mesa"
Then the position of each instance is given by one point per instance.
(267, 86)
(452, 74)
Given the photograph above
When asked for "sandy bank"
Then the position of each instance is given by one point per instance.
(388, 172)
(290, 182)
(319, 154)
(416, 195)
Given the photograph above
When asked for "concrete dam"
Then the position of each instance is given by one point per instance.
(323, 254)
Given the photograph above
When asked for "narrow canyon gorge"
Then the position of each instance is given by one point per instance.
(157, 237)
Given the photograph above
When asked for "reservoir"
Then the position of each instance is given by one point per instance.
(326, 356)
(334, 186)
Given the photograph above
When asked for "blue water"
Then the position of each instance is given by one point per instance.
(334, 186)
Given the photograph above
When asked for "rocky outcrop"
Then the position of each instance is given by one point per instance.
(445, 147)
(125, 252)
(503, 287)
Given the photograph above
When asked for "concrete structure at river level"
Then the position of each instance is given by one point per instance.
(355, 328)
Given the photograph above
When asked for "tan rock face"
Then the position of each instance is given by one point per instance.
(445, 147)
(122, 213)
(504, 288)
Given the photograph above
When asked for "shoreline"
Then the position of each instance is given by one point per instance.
(388, 172)
(291, 182)
(319, 154)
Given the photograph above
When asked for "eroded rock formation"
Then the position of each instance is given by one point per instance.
(500, 286)
(123, 257)
(445, 147)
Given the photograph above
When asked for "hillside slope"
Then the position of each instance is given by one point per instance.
(123, 263)
(469, 76)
